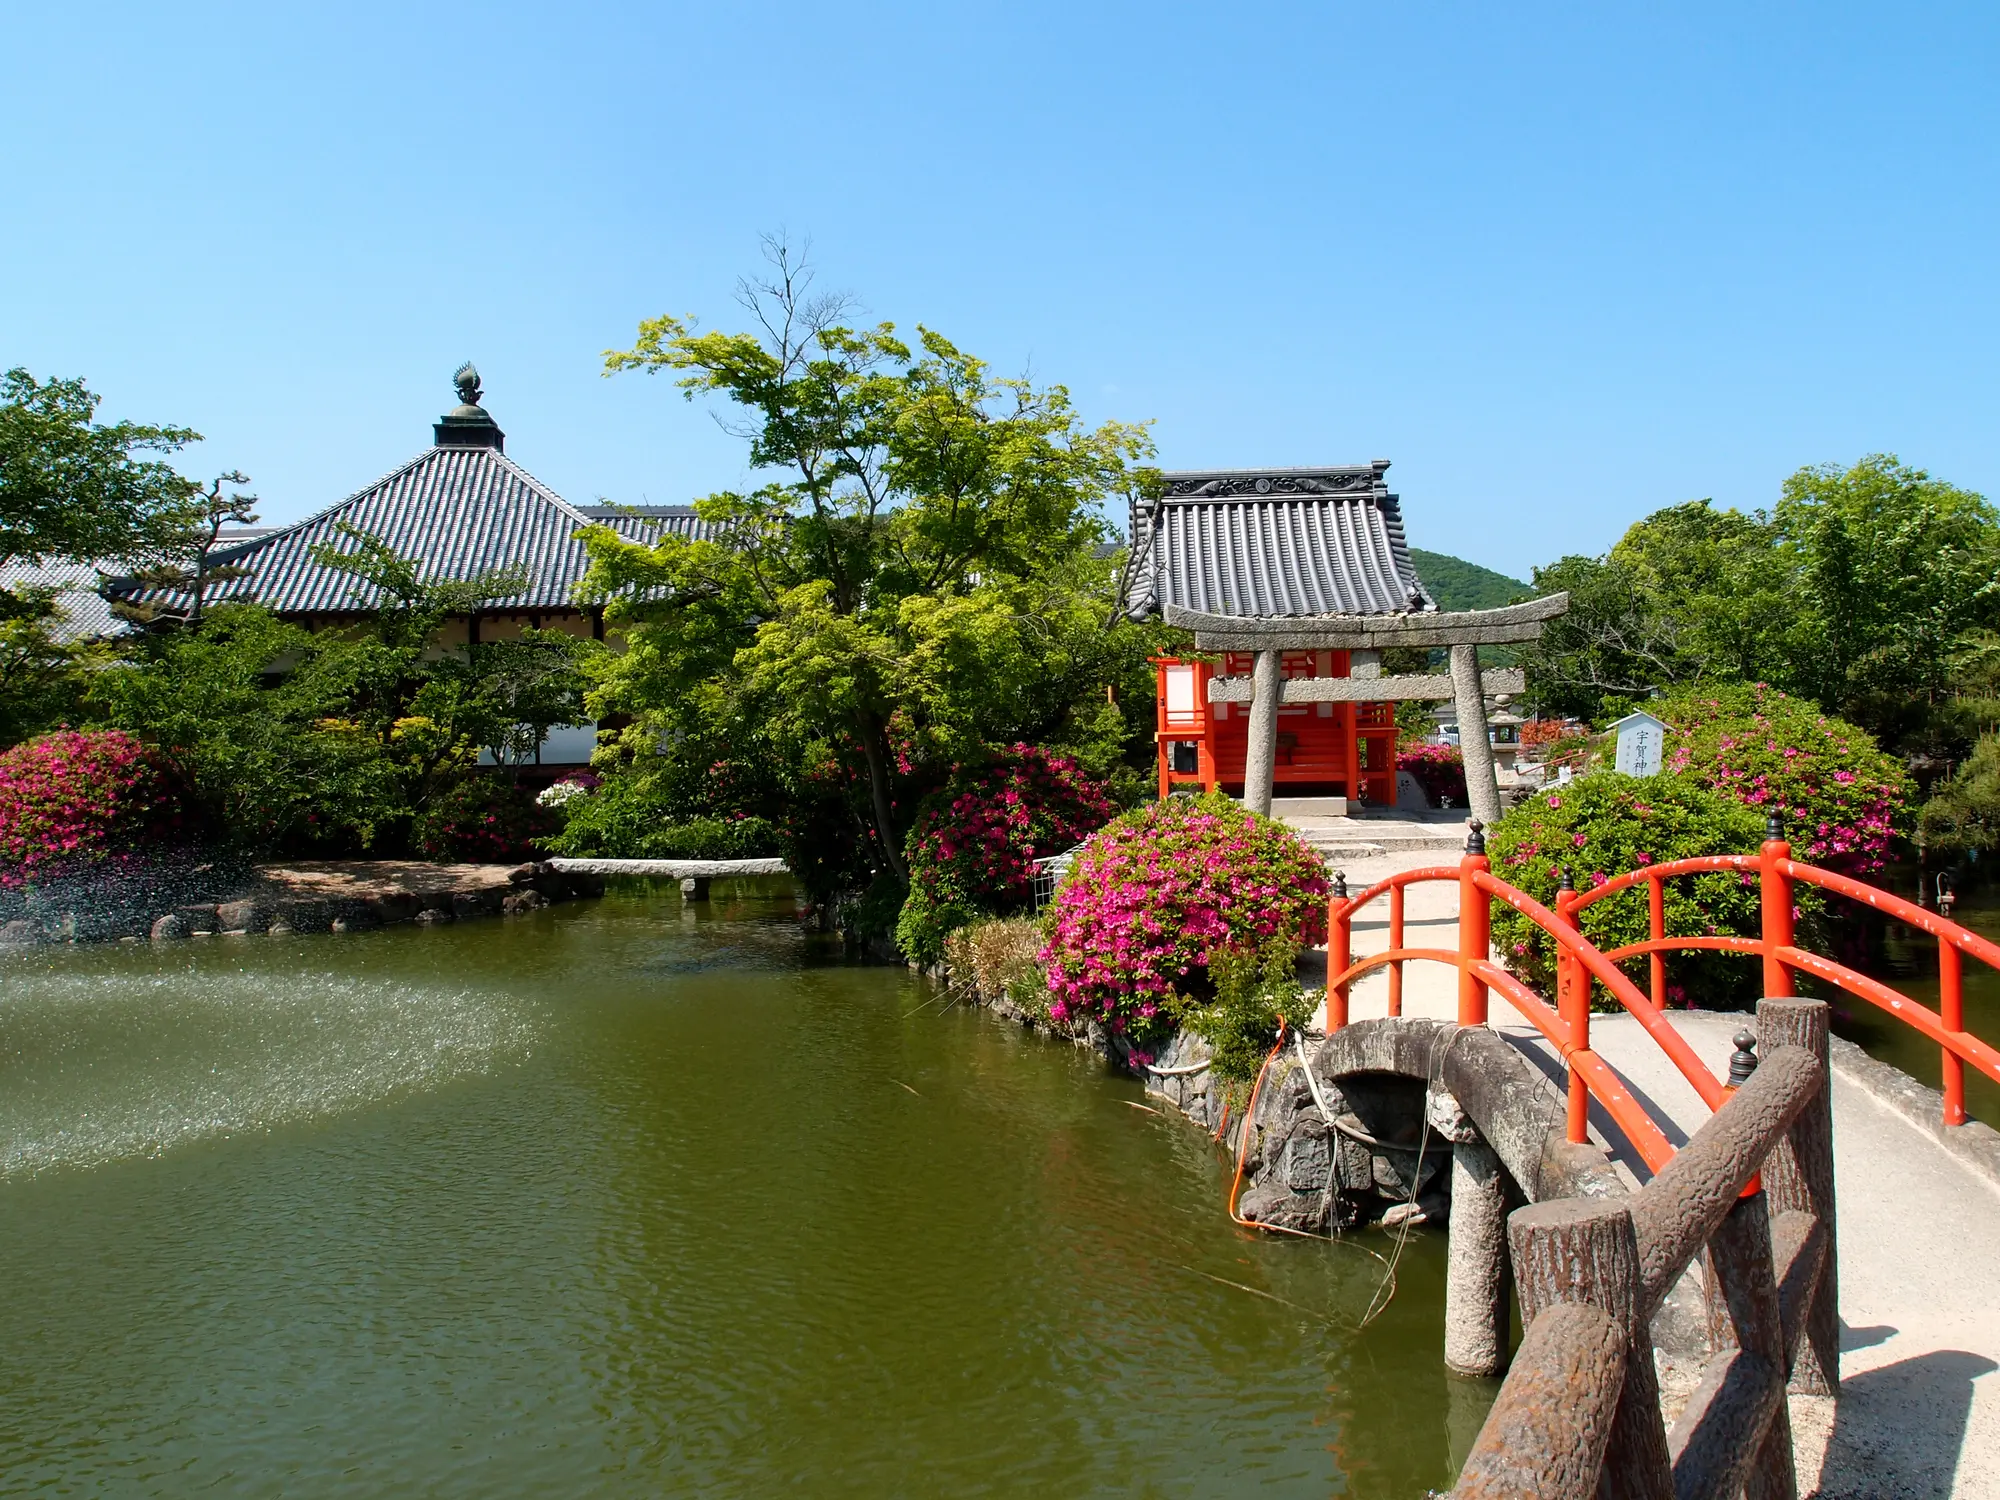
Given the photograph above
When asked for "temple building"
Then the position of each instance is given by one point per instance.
(1294, 581)
(461, 507)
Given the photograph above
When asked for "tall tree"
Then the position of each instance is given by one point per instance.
(910, 567)
(72, 488)
(186, 572)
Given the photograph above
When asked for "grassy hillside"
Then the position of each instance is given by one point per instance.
(1458, 584)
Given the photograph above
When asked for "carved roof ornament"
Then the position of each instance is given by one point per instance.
(466, 378)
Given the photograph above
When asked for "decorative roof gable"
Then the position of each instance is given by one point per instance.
(1274, 544)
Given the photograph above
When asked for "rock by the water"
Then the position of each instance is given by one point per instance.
(19, 933)
(172, 925)
(242, 916)
(524, 901)
(431, 916)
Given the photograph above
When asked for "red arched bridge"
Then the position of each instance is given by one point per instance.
(1750, 1192)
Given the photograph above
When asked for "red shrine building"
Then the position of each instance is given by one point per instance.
(1272, 545)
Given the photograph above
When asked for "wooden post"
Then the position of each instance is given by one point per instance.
(1736, 1432)
(1260, 760)
(1583, 1250)
(1775, 895)
(1475, 917)
(1799, 1175)
(1475, 745)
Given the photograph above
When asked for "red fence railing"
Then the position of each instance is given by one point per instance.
(1580, 966)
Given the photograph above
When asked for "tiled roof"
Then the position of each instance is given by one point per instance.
(1274, 544)
(81, 612)
(463, 511)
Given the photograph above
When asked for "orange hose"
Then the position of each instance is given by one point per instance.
(1243, 1137)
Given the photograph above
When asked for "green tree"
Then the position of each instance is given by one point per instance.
(267, 757)
(185, 571)
(44, 672)
(918, 577)
(72, 488)
(1895, 575)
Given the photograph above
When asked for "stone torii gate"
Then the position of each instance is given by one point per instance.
(1366, 636)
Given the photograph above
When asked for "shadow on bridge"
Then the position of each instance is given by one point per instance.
(1899, 1429)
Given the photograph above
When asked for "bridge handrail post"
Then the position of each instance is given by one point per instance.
(1573, 1005)
(1585, 1250)
(1799, 1176)
(1396, 941)
(1475, 927)
(1656, 917)
(1339, 951)
(1951, 1015)
(1775, 899)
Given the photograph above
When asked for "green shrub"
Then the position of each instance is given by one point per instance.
(1605, 824)
(635, 816)
(1253, 990)
(1962, 817)
(1840, 799)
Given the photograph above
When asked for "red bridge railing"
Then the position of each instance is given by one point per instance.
(1580, 966)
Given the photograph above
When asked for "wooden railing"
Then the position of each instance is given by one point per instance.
(1754, 1188)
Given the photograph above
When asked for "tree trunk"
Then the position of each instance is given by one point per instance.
(874, 745)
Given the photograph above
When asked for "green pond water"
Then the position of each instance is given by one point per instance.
(1909, 964)
(623, 1199)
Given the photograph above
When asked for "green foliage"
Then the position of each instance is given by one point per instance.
(44, 676)
(264, 754)
(1872, 591)
(1254, 989)
(1963, 818)
(1606, 824)
(630, 817)
(77, 489)
(1841, 800)
(1458, 584)
(343, 741)
(919, 582)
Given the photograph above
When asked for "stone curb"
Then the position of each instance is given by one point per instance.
(1975, 1143)
(672, 869)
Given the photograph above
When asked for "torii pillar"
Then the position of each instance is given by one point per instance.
(1463, 632)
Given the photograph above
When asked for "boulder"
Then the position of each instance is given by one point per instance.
(19, 933)
(242, 916)
(359, 920)
(173, 925)
(305, 914)
(394, 906)
(475, 903)
(523, 902)
(200, 915)
(432, 916)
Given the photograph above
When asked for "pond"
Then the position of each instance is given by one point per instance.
(630, 1199)
(1909, 963)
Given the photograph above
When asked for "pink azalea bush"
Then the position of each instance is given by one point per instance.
(483, 820)
(1842, 801)
(972, 847)
(1439, 770)
(1162, 893)
(73, 802)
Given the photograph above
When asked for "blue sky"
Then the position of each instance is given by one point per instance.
(1563, 265)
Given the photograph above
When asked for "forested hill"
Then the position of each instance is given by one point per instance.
(1458, 584)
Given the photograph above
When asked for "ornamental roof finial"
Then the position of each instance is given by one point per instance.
(466, 378)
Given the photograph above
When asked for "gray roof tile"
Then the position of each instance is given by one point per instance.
(1274, 543)
(463, 511)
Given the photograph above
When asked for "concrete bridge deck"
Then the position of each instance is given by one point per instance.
(1919, 1229)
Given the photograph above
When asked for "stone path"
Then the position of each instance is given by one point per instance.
(1919, 1231)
